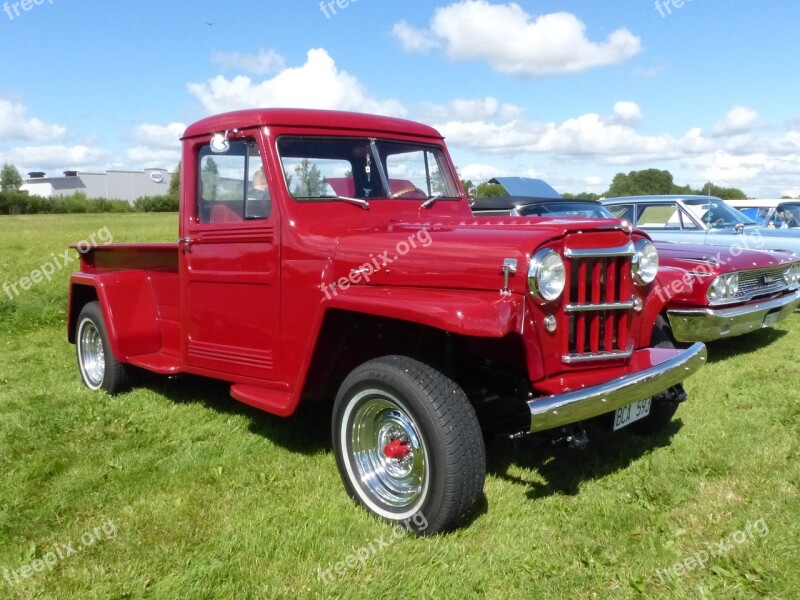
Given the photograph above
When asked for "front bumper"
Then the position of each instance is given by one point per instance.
(708, 324)
(571, 407)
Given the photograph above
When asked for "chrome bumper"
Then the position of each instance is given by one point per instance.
(708, 324)
(570, 407)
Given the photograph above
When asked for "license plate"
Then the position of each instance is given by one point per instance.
(771, 319)
(633, 412)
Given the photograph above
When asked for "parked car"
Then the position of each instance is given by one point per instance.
(430, 328)
(776, 214)
(707, 297)
(700, 220)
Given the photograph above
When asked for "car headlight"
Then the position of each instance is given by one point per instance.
(792, 274)
(724, 287)
(644, 265)
(546, 275)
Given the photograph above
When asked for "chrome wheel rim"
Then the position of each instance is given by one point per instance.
(379, 423)
(91, 354)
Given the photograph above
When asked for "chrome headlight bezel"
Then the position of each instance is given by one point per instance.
(644, 264)
(547, 275)
(792, 275)
(723, 288)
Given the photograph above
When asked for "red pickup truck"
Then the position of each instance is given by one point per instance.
(334, 255)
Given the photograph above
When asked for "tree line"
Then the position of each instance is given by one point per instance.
(646, 182)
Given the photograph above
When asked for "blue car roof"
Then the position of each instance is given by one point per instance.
(526, 186)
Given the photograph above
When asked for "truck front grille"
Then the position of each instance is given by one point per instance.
(598, 301)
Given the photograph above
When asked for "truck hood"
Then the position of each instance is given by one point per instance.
(465, 254)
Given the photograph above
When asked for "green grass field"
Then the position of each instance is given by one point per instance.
(174, 490)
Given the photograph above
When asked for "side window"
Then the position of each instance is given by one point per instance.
(686, 221)
(232, 186)
(622, 211)
(658, 216)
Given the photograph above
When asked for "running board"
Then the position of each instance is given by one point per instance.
(271, 401)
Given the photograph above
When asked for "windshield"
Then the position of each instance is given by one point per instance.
(787, 215)
(716, 214)
(565, 208)
(319, 168)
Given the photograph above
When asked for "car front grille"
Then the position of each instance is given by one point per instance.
(598, 302)
(761, 282)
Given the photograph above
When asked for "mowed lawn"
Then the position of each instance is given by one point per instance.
(174, 490)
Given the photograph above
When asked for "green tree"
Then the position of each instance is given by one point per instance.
(175, 183)
(491, 190)
(637, 183)
(720, 192)
(310, 182)
(10, 179)
(209, 176)
(581, 196)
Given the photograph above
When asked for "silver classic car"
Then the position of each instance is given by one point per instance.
(700, 220)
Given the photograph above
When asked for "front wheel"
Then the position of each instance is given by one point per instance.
(663, 406)
(98, 366)
(408, 444)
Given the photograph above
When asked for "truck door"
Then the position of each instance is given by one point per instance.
(229, 264)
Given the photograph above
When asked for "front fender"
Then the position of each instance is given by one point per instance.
(477, 314)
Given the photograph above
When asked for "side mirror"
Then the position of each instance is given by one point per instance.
(472, 195)
(219, 143)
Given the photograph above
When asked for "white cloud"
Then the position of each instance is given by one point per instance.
(38, 158)
(515, 42)
(469, 110)
(15, 124)
(738, 121)
(261, 63)
(158, 145)
(627, 112)
(412, 39)
(316, 84)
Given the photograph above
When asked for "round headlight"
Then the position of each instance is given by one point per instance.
(793, 274)
(546, 275)
(644, 265)
(732, 284)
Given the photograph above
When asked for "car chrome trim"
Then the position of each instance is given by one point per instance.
(626, 250)
(577, 359)
(573, 308)
(708, 324)
(578, 405)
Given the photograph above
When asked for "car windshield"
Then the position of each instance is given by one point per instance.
(716, 214)
(787, 214)
(565, 208)
(320, 168)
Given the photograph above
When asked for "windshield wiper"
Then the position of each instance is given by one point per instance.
(357, 201)
(431, 200)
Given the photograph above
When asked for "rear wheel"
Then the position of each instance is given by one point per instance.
(408, 444)
(98, 366)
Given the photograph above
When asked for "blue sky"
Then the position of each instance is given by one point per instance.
(572, 92)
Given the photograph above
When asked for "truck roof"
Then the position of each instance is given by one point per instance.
(301, 117)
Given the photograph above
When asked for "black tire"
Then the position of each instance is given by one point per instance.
(436, 484)
(664, 405)
(98, 366)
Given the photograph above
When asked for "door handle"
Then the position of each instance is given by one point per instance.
(185, 241)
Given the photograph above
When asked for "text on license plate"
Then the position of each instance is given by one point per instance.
(633, 412)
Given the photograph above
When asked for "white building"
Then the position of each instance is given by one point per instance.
(114, 185)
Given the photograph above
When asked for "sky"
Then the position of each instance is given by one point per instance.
(572, 92)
